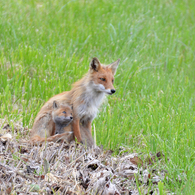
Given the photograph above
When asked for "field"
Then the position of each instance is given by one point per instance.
(45, 46)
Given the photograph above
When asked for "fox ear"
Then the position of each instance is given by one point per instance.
(114, 66)
(55, 105)
(95, 64)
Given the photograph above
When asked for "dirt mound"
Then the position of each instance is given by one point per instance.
(61, 168)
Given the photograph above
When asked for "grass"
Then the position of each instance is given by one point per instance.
(45, 46)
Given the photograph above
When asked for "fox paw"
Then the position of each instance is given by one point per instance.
(81, 142)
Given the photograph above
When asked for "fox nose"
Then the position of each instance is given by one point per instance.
(112, 90)
(71, 117)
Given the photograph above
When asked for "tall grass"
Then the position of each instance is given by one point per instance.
(45, 46)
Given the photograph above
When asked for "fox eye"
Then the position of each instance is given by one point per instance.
(64, 112)
(103, 79)
(112, 81)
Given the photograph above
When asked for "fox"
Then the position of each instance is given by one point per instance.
(62, 117)
(86, 97)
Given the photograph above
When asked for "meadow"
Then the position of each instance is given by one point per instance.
(45, 46)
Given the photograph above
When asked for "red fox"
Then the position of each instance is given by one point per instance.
(62, 117)
(85, 96)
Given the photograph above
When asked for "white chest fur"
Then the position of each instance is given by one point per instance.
(87, 111)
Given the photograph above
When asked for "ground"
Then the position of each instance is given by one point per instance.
(46, 46)
(61, 168)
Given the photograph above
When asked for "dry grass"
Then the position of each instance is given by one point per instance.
(60, 168)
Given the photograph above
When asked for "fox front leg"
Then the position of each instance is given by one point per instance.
(76, 129)
(88, 125)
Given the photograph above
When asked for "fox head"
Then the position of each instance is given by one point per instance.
(102, 77)
(61, 114)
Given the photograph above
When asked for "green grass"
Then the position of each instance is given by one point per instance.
(47, 45)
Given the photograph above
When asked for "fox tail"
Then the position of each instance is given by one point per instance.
(55, 138)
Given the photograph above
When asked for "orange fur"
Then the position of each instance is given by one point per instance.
(85, 96)
(67, 136)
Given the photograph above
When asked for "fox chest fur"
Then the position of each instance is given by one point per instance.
(88, 109)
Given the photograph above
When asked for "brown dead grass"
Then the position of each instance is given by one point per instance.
(61, 168)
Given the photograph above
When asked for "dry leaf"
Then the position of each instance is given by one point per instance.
(136, 161)
(6, 137)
